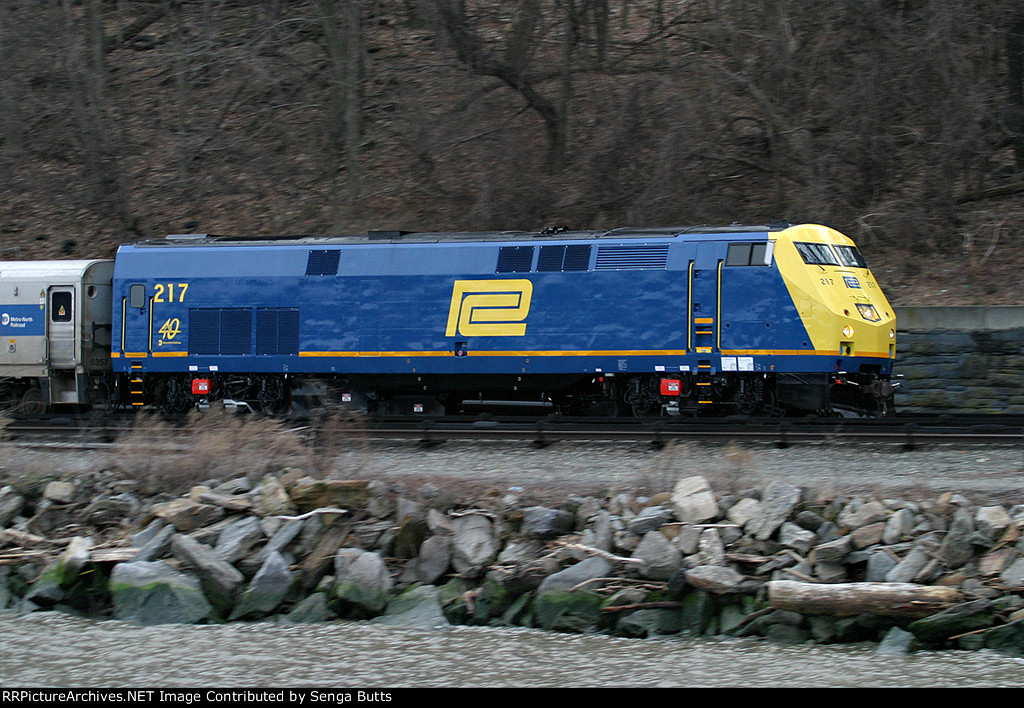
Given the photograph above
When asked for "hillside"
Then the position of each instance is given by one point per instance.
(899, 123)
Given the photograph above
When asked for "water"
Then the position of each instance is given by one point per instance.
(56, 650)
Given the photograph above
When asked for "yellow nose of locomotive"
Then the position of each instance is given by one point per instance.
(837, 297)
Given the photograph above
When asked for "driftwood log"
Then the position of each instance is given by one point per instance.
(848, 599)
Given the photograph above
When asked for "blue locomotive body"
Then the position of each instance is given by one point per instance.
(662, 319)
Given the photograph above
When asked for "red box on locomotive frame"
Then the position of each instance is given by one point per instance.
(200, 387)
(670, 387)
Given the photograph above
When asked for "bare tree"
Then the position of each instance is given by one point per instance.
(342, 26)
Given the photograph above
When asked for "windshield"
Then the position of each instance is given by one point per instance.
(850, 256)
(816, 254)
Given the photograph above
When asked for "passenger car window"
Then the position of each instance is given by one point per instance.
(60, 307)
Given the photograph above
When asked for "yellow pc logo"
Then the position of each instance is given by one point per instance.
(489, 308)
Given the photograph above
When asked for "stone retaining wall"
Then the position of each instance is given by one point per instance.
(960, 359)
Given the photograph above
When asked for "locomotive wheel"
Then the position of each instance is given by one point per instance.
(32, 402)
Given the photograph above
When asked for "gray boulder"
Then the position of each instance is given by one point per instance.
(660, 558)
(694, 501)
(150, 593)
(473, 545)
(237, 538)
(716, 579)
(267, 589)
(777, 504)
(418, 607)
(220, 580)
(541, 522)
(362, 583)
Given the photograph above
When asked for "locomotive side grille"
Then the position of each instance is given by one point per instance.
(323, 262)
(515, 259)
(563, 258)
(277, 331)
(220, 331)
(632, 257)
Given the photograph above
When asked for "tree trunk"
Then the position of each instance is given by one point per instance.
(849, 599)
(1015, 85)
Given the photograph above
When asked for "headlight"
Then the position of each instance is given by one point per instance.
(848, 331)
(892, 334)
(868, 312)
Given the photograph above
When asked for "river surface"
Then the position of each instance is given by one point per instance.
(51, 649)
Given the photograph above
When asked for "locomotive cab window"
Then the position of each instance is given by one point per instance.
(851, 257)
(748, 254)
(816, 254)
(137, 295)
(60, 306)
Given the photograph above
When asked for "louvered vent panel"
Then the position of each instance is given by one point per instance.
(632, 257)
(576, 258)
(220, 331)
(550, 258)
(515, 259)
(277, 331)
(323, 262)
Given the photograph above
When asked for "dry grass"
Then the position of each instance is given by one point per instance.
(171, 456)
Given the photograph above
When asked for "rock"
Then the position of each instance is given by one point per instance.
(1007, 638)
(867, 535)
(308, 493)
(910, 567)
(361, 582)
(187, 515)
(565, 601)
(271, 499)
(541, 522)
(959, 619)
(434, 559)
(11, 504)
(230, 502)
(799, 539)
(777, 503)
(660, 558)
(688, 539)
(870, 513)
(220, 580)
(743, 511)
(694, 501)
(60, 492)
(896, 642)
(898, 526)
(1013, 577)
(151, 593)
(719, 580)
(238, 538)
(577, 574)
(312, 610)
(956, 548)
(281, 538)
(266, 591)
(473, 545)
(418, 607)
(878, 566)
(649, 519)
(992, 522)
(157, 546)
(710, 549)
(832, 551)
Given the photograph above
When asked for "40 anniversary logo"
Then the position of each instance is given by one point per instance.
(489, 308)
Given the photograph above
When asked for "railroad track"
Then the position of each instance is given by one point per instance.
(908, 432)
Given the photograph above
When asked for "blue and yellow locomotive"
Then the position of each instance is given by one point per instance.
(753, 320)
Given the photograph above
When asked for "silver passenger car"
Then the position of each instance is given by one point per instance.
(54, 332)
